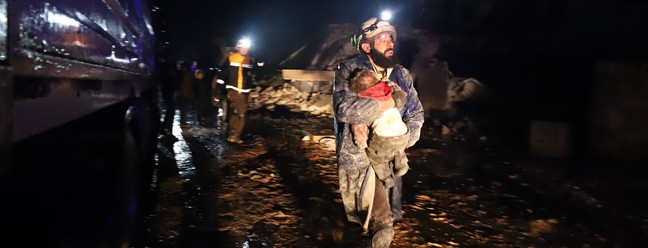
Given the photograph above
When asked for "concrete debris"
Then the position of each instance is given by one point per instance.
(291, 97)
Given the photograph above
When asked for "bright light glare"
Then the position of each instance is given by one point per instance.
(386, 15)
(245, 43)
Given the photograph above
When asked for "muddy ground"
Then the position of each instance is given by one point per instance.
(462, 190)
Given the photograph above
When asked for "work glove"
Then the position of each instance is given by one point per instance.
(399, 96)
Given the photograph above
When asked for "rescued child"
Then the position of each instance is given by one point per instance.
(389, 135)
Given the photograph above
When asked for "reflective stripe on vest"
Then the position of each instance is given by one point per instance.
(234, 64)
(239, 90)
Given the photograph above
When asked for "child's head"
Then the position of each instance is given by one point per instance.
(362, 80)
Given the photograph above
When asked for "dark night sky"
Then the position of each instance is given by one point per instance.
(279, 27)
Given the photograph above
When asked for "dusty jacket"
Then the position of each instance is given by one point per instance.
(351, 109)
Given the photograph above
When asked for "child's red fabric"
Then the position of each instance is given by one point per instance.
(380, 91)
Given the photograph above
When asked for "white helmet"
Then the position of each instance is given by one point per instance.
(244, 43)
(371, 28)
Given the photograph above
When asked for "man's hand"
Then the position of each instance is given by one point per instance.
(399, 98)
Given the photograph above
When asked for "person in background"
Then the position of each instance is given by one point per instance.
(368, 201)
(193, 66)
(238, 77)
(185, 98)
(203, 99)
(167, 77)
(219, 98)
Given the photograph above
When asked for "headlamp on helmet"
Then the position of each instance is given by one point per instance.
(385, 15)
(372, 28)
(244, 43)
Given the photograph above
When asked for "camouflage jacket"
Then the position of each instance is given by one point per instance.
(351, 109)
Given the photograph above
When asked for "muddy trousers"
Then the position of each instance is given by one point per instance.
(238, 107)
(382, 227)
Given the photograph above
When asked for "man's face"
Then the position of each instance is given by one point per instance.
(381, 51)
(384, 44)
(243, 50)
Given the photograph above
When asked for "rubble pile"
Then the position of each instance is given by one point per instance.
(287, 95)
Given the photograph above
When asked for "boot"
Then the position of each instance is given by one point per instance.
(234, 138)
(382, 236)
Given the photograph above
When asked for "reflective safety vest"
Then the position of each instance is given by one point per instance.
(239, 72)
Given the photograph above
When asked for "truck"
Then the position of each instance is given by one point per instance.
(76, 73)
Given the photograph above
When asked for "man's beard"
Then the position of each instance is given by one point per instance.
(383, 61)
